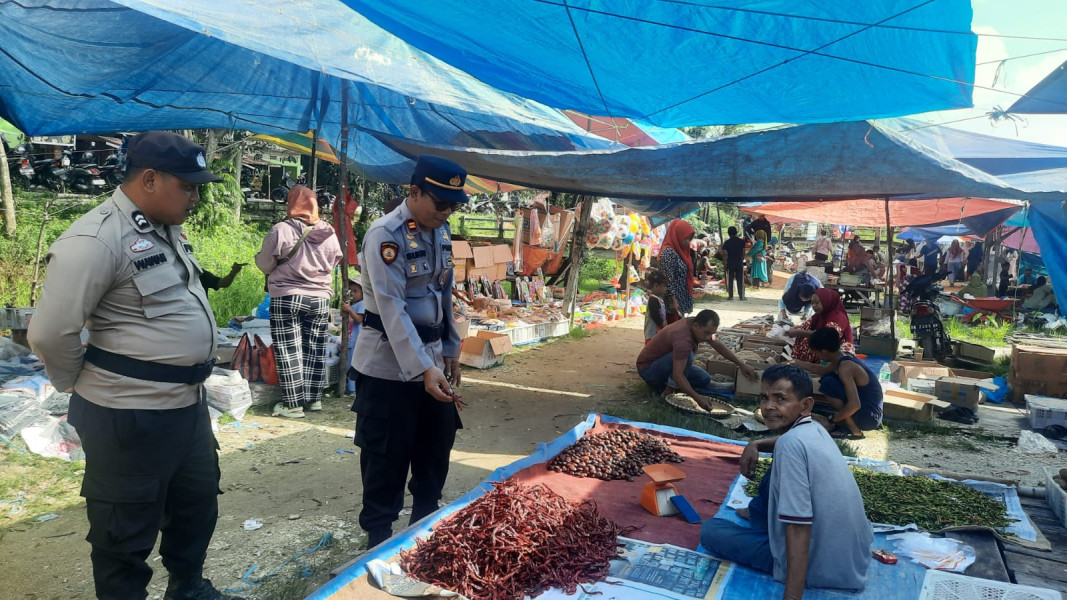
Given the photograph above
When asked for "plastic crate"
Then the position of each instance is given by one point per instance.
(1055, 496)
(939, 585)
(524, 334)
(15, 318)
(557, 329)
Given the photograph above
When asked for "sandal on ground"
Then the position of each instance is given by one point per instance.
(844, 434)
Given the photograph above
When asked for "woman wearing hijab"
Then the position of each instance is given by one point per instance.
(975, 287)
(298, 257)
(829, 312)
(974, 257)
(758, 252)
(676, 262)
(954, 261)
(1041, 296)
(796, 300)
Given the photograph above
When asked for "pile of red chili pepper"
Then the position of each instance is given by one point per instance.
(513, 541)
(613, 455)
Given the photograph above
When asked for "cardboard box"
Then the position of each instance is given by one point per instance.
(722, 367)
(959, 391)
(908, 406)
(485, 349)
(901, 371)
(746, 387)
(1038, 370)
(878, 346)
(975, 352)
(463, 257)
(1045, 411)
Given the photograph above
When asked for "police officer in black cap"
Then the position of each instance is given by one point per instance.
(406, 359)
(126, 270)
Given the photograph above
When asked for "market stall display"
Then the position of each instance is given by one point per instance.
(613, 455)
(516, 540)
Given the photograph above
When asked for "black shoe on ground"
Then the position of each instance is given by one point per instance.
(375, 538)
(193, 588)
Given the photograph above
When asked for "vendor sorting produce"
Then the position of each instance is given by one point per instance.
(666, 363)
(807, 524)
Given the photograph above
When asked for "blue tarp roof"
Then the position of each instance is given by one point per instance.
(1050, 231)
(807, 162)
(989, 153)
(1048, 97)
(94, 66)
(691, 63)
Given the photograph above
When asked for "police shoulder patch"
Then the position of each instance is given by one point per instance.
(389, 252)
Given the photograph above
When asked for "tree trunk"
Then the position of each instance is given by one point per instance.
(238, 163)
(40, 249)
(7, 193)
(211, 146)
(577, 253)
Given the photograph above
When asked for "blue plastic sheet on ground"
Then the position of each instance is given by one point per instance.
(543, 453)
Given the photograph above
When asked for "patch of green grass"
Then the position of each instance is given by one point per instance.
(579, 333)
(846, 448)
(43, 485)
(985, 334)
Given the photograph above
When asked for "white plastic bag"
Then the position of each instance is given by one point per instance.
(228, 392)
(53, 438)
(943, 554)
(9, 349)
(1031, 442)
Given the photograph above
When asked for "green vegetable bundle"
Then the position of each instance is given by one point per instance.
(931, 504)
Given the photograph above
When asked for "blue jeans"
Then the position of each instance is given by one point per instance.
(660, 374)
(747, 546)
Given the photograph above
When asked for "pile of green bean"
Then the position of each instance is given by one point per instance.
(931, 504)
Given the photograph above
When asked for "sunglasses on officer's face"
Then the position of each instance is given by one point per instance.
(441, 205)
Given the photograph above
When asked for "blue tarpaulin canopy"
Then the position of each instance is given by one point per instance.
(94, 66)
(989, 153)
(1048, 97)
(807, 162)
(697, 63)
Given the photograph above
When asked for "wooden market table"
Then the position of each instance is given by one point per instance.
(870, 294)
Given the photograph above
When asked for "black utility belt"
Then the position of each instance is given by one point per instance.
(148, 370)
(427, 333)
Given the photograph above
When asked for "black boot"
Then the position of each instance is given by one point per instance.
(420, 510)
(193, 587)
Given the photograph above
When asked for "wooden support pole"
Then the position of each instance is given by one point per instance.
(315, 163)
(342, 228)
(577, 253)
(626, 282)
(892, 274)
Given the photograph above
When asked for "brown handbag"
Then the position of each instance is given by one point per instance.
(268, 369)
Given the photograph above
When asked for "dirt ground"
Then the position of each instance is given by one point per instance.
(301, 478)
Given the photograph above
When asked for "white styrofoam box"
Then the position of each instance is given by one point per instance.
(523, 334)
(1055, 496)
(1045, 411)
(942, 585)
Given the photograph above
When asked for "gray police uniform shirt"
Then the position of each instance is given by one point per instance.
(407, 280)
(136, 286)
(811, 485)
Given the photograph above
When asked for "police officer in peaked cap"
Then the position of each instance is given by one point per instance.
(406, 360)
(126, 271)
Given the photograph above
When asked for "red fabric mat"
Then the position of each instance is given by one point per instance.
(709, 466)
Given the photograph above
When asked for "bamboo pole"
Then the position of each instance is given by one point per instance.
(342, 228)
(577, 253)
(8, 194)
(315, 162)
(889, 264)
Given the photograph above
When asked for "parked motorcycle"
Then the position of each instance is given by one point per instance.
(325, 200)
(281, 193)
(113, 171)
(84, 175)
(926, 324)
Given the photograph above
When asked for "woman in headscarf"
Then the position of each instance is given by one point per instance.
(974, 257)
(829, 312)
(298, 257)
(975, 287)
(676, 262)
(954, 261)
(758, 253)
(796, 300)
(1041, 296)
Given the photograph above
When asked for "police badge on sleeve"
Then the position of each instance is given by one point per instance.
(389, 251)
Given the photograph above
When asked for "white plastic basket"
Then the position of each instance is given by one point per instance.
(940, 585)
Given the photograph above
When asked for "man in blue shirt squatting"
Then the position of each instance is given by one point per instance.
(808, 527)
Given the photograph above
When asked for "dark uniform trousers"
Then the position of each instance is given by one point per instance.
(735, 278)
(146, 471)
(399, 426)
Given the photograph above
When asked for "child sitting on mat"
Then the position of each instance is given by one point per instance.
(808, 526)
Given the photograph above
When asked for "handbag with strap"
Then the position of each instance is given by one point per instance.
(246, 359)
(268, 369)
(284, 259)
